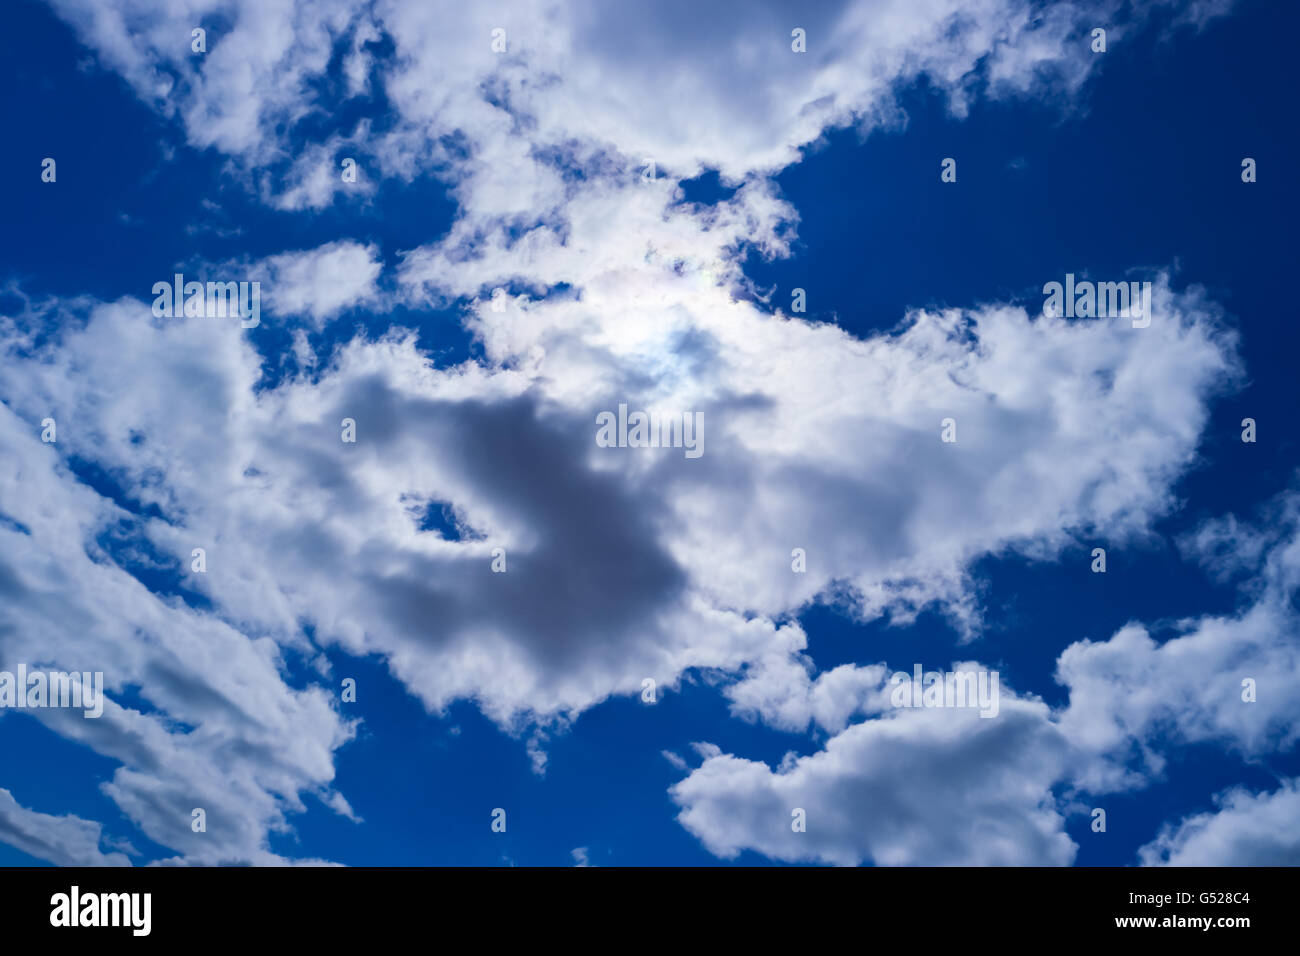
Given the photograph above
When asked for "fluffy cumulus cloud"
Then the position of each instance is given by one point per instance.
(1222, 680)
(909, 786)
(933, 786)
(622, 563)
(1248, 829)
(318, 284)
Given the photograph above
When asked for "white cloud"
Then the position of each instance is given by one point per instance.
(685, 84)
(64, 841)
(624, 565)
(319, 283)
(940, 787)
(222, 729)
(315, 176)
(947, 786)
(1248, 829)
(779, 689)
(674, 759)
(1192, 688)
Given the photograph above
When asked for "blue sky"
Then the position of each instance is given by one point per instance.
(775, 170)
